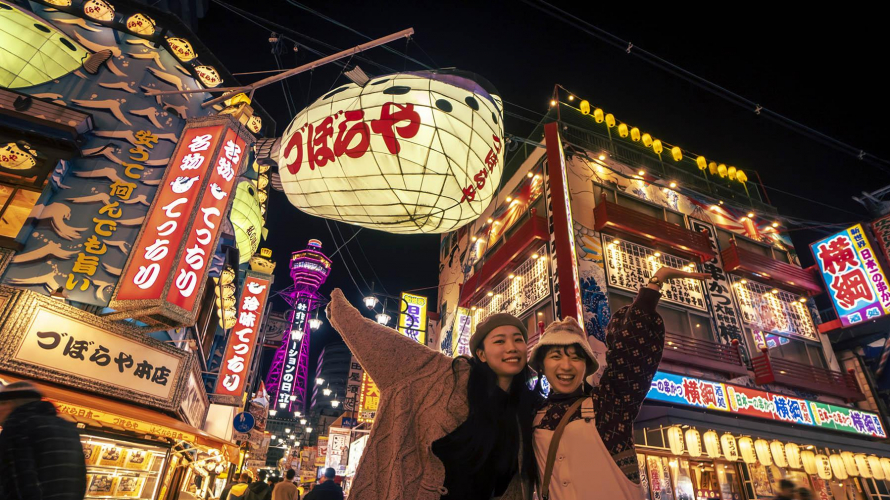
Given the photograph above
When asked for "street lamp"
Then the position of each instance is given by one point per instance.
(314, 323)
(287, 431)
(371, 302)
(293, 397)
(297, 334)
(302, 422)
(273, 412)
(383, 318)
(308, 430)
(334, 402)
(326, 391)
(319, 381)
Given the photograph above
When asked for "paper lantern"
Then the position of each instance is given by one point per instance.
(741, 176)
(676, 153)
(721, 170)
(17, 156)
(647, 140)
(227, 318)
(675, 440)
(862, 465)
(777, 450)
(761, 446)
(746, 447)
(622, 130)
(823, 467)
(585, 107)
(730, 173)
(792, 454)
(610, 120)
(808, 458)
(874, 463)
(418, 152)
(254, 124)
(182, 49)
(635, 134)
(598, 115)
(208, 76)
(141, 24)
(693, 442)
(837, 466)
(657, 147)
(712, 444)
(729, 447)
(701, 162)
(885, 467)
(850, 463)
(247, 221)
(100, 10)
(59, 3)
(712, 168)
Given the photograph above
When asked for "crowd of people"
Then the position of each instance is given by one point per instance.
(269, 488)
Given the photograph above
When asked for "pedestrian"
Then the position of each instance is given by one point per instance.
(237, 480)
(581, 428)
(286, 490)
(257, 490)
(786, 490)
(327, 489)
(41, 455)
(462, 426)
(271, 483)
(238, 491)
(804, 494)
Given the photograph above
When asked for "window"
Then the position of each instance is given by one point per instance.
(650, 209)
(15, 207)
(724, 237)
(798, 351)
(676, 320)
(544, 313)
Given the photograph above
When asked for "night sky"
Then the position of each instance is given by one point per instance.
(818, 68)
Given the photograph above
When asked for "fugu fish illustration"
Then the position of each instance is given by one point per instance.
(17, 156)
(182, 184)
(255, 288)
(217, 191)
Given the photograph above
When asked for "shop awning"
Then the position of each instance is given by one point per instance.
(116, 416)
(663, 416)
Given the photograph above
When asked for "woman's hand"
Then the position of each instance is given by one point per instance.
(665, 274)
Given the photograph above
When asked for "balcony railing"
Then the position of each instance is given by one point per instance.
(612, 218)
(705, 354)
(766, 269)
(769, 370)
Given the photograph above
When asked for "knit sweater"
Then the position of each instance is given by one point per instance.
(635, 339)
(422, 399)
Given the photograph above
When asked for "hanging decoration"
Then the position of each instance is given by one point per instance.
(746, 447)
(730, 449)
(809, 461)
(823, 467)
(417, 152)
(712, 444)
(100, 10)
(837, 466)
(862, 466)
(182, 49)
(885, 467)
(761, 446)
(675, 440)
(778, 453)
(208, 76)
(141, 24)
(792, 453)
(693, 442)
(247, 221)
(850, 463)
(874, 463)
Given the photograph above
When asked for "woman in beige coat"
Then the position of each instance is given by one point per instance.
(595, 457)
(445, 428)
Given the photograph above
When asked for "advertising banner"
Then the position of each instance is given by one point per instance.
(369, 400)
(337, 456)
(412, 319)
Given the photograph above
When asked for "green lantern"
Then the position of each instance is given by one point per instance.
(247, 220)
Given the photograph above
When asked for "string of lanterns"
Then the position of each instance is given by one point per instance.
(785, 455)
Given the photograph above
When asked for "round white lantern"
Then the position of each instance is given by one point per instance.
(808, 458)
(862, 465)
(693, 442)
(792, 453)
(777, 450)
(746, 447)
(874, 463)
(416, 152)
(823, 467)
(837, 466)
(761, 446)
(885, 467)
(712, 444)
(675, 440)
(247, 221)
(729, 447)
(850, 463)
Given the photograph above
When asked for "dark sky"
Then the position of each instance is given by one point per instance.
(819, 68)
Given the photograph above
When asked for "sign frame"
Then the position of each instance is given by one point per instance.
(24, 309)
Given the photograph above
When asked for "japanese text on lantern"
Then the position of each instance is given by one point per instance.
(240, 348)
(412, 321)
(855, 280)
(95, 246)
(199, 246)
(153, 256)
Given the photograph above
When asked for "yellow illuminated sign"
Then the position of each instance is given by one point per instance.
(412, 320)
(130, 424)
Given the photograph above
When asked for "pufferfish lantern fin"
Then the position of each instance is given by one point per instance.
(358, 76)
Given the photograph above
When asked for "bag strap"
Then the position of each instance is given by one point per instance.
(554, 445)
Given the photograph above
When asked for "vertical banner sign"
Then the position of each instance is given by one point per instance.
(338, 449)
(369, 400)
(168, 264)
(289, 372)
(322, 452)
(719, 297)
(353, 384)
(881, 228)
(461, 336)
(241, 345)
(562, 234)
(412, 320)
(853, 276)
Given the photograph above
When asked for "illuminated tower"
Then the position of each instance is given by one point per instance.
(286, 380)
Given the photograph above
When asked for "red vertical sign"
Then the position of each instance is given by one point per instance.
(200, 242)
(235, 367)
(153, 255)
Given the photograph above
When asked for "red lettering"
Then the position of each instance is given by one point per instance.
(386, 125)
(320, 153)
(480, 179)
(296, 141)
(345, 138)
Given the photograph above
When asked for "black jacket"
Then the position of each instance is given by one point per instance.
(41, 457)
(328, 490)
(258, 490)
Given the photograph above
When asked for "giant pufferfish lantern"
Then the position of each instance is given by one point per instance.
(415, 152)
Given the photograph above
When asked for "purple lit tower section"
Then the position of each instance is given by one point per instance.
(286, 380)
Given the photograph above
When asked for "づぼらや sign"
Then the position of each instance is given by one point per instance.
(415, 152)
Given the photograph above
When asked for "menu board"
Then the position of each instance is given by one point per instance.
(768, 309)
(118, 469)
(629, 267)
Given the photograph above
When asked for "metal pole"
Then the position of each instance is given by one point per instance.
(306, 67)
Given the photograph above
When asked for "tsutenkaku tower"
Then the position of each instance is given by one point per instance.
(286, 381)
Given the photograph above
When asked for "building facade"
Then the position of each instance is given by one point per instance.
(591, 209)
